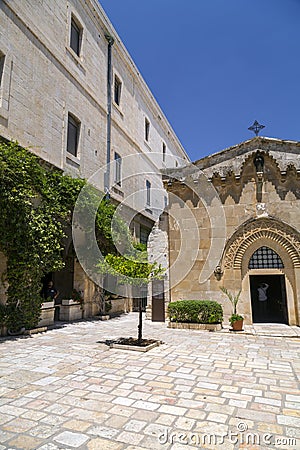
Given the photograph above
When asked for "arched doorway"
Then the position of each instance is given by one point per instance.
(268, 291)
(265, 251)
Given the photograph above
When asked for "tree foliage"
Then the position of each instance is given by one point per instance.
(233, 298)
(131, 268)
(36, 205)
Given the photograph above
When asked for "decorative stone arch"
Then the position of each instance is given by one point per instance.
(278, 236)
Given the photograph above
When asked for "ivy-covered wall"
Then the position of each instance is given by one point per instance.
(36, 204)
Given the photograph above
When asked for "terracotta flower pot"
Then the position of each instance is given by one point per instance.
(237, 325)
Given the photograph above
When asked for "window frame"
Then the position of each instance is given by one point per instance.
(2, 65)
(148, 193)
(147, 129)
(74, 122)
(265, 258)
(76, 25)
(6, 73)
(144, 231)
(117, 90)
(164, 151)
(118, 169)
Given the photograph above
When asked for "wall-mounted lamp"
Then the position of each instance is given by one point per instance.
(218, 273)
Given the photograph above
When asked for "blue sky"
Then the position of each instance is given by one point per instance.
(215, 66)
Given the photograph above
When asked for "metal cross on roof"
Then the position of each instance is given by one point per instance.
(256, 127)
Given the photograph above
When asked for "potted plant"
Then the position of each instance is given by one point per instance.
(235, 320)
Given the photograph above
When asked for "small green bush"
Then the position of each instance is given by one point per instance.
(195, 311)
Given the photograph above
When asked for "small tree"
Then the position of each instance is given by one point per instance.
(234, 299)
(132, 269)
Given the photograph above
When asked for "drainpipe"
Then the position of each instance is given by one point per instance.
(110, 41)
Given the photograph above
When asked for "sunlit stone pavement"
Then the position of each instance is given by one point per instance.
(65, 389)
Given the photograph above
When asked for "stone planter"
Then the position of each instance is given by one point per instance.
(70, 310)
(47, 305)
(135, 348)
(47, 314)
(69, 302)
(195, 326)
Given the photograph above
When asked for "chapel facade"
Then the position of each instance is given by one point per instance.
(234, 222)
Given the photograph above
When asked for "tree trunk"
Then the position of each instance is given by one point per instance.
(140, 326)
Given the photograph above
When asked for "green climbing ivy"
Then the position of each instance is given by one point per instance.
(36, 206)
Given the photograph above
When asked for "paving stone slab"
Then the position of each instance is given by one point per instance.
(65, 389)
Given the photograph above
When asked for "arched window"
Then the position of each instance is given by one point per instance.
(265, 258)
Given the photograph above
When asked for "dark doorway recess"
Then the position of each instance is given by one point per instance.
(274, 309)
(158, 301)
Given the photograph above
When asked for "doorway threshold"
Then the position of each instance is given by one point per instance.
(269, 329)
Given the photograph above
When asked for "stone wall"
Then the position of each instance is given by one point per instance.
(44, 80)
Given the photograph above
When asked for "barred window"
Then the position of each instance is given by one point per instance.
(265, 258)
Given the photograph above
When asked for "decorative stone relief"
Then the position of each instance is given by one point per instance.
(261, 210)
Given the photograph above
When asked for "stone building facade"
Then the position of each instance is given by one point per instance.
(70, 92)
(234, 221)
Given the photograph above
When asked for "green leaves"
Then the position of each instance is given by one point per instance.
(195, 311)
(36, 207)
(234, 299)
(130, 271)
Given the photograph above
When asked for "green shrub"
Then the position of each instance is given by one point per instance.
(195, 311)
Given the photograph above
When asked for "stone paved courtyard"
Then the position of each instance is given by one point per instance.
(65, 389)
